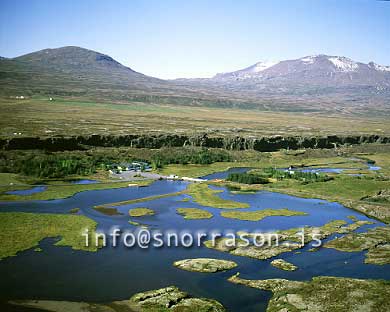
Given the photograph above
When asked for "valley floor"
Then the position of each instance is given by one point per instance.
(40, 117)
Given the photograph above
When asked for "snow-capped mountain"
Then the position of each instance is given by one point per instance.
(249, 71)
(314, 69)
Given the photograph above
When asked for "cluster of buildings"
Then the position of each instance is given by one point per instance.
(134, 166)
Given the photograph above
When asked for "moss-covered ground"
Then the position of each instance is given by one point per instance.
(323, 294)
(265, 245)
(194, 213)
(260, 214)
(140, 212)
(202, 194)
(21, 231)
(376, 241)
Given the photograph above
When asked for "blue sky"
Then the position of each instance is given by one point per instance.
(186, 38)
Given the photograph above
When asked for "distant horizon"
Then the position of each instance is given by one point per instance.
(212, 75)
(198, 39)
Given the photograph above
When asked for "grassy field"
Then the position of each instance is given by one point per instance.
(140, 212)
(41, 117)
(340, 188)
(260, 214)
(194, 213)
(22, 231)
(202, 194)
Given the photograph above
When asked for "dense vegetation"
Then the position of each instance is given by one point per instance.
(292, 174)
(52, 165)
(261, 176)
(189, 156)
(247, 178)
(43, 164)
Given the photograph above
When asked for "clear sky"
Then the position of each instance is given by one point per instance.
(197, 38)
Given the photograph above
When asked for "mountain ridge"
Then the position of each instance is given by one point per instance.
(330, 67)
(313, 83)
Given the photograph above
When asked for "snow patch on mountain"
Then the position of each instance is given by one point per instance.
(309, 59)
(379, 67)
(344, 64)
(260, 66)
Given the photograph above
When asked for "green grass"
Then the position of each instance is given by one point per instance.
(21, 231)
(9, 178)
(341, 188)
(13, 181)
(205, 196)
(194, 213)
(140, 212)
(260, 214)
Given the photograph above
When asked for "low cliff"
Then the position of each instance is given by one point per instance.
(262, 144)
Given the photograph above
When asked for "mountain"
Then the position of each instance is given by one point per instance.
(72, 58)
(320, 70)
(318, 83)
(74, 71)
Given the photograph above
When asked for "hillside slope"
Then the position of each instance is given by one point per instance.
(320, 84)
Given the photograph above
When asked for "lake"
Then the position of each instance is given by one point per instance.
(60, 273)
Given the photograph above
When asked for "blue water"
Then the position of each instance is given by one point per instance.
(84, 181)
(36, 189)
(60, 273)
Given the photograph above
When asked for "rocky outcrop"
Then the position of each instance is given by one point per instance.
(261, 144)
(283, 265)
(163, 300)
(323, 293)
(205, 265)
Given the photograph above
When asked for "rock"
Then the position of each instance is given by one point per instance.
(376, 241)
(285, 241)
(205, 265)
(168, 299)
(284, 265)
(323, 294)
(160, 300)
